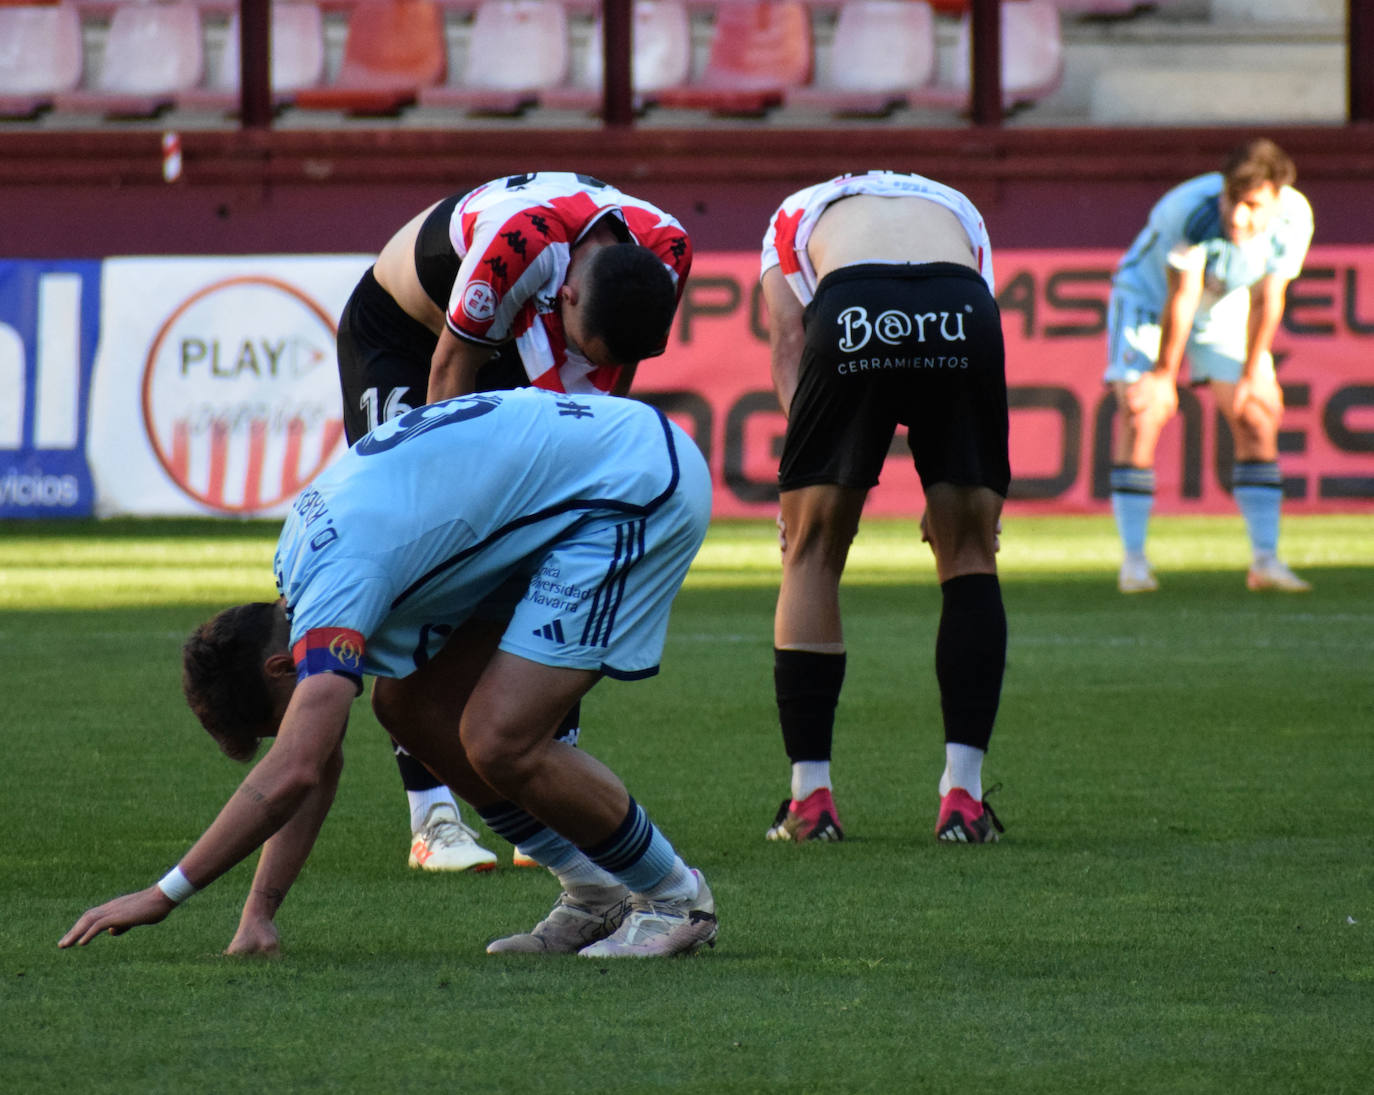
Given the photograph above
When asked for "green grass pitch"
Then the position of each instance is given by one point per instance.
(1183, 901)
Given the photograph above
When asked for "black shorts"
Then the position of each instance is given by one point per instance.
(915, 345)
(384, 360)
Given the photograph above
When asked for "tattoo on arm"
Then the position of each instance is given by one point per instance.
(273, 895)
(252, 792)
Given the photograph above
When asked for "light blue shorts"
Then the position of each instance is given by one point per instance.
(1215, 350)
(600, 597)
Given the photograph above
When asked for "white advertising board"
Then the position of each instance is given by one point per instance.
(215, 388)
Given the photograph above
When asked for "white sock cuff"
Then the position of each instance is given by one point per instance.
(421, 802)
(963, 768)
(809, 776)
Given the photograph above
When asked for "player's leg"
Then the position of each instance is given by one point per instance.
(424, 711)
(1256, 482)
(508, 736)
(1132, 348)
(970, 649)
(839, 428)
(569, 731)
(620, 574)
(958, 435)
(818, 524)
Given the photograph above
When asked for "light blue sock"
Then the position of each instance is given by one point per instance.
(1258, 491)
(1133, 497)
(637, 854)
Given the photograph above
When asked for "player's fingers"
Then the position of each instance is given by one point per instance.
(79, 933)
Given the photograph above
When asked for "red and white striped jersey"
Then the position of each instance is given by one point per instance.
(789, 230)
(514, 238)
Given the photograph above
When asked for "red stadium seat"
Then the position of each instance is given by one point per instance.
(882, 50)
(297, 58)
(517, 49)
(759, 50)
(1032, 58)
(662, 57)
(394, 48)
(40, 55)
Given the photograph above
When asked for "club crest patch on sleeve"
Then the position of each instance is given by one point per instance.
(329, 650)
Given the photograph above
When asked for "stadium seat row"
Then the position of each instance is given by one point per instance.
(761, 54)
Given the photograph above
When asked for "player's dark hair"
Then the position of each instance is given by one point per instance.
(222, 676)
(1255, 163)
(630, 301)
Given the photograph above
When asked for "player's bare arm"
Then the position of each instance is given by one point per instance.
(282, 858)
(785, 334)
(1156, 392)
(453, 369)
(1257, 383)
(1176, 319)
(268, 798)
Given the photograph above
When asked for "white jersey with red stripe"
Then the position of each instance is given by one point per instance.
(514, 237)
(789, 230)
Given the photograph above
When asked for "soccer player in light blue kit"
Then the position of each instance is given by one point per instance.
(1205, 280)
(487, 559)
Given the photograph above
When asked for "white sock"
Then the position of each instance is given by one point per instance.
(580, 871)
(808, 776)
(679, 884)
(421, 802)
(963, 768)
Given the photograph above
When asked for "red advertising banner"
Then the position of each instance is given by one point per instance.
(714, 381)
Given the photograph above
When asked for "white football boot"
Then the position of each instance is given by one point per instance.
(1136, 576)
(578, 918)
(659, 929)
(444, 843)
(1273, 574)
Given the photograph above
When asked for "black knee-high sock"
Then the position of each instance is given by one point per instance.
(970, 657)
(414, 775)
(807, 685)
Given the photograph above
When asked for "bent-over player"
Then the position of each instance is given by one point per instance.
(1205, 279)
(880, 304)
(488, 559)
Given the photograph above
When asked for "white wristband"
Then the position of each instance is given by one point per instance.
(175, 886)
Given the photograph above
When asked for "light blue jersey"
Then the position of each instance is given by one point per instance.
(1185, 232)
(582, 513)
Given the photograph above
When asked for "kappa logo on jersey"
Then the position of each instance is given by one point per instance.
(515, 240)
(893, 327)
(500, 272)
(479, 301)
(678, 247)
(539, 223)
(329, 650)
(553, 632)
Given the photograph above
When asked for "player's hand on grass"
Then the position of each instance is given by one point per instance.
(118, 916)
(256, 937)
